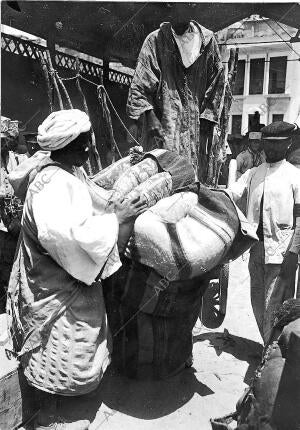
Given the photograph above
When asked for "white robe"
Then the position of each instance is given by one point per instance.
(56, 310)
(72, 225)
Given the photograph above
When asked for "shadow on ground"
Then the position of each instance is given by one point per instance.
(239, 347)
(147, 399)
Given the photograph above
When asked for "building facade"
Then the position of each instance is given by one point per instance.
(268, 72)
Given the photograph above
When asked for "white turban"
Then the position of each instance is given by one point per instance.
(61, 127)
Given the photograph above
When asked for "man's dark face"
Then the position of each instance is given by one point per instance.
(275, 150)
(79, 153)
(254, 145)
(32, 146)
(180, 27)
(180, 17)
(75, 153)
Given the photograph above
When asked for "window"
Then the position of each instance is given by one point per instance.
(238, 88)
(257, 67)
(277, 75)
(236, 126)
(277, 117)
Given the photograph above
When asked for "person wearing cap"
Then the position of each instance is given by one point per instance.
(273, 207)
(253, 156)
(69, 242)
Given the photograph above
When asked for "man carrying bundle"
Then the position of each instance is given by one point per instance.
(58, 320)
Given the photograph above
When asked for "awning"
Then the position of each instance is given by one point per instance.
(117, 29)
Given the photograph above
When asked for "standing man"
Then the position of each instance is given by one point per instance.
(178, 87)
(273, 206)
(68, 243)
(253, 156)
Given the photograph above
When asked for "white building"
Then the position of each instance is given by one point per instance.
(268, 74)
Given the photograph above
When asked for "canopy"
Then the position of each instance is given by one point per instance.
(116, 30)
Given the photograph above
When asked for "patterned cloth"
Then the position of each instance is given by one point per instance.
(181, 97)
(159, 174)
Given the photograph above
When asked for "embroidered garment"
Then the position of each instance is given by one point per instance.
(182, 98)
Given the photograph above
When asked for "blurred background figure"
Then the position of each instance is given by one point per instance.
(253, 156)
(11, 208)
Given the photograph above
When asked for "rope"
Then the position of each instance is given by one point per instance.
(117, 115)
(112, 105)
(278, 34)
(109, 99)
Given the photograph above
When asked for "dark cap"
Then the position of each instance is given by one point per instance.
(278, 130)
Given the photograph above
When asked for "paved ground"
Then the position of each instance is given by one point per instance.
(223, 366)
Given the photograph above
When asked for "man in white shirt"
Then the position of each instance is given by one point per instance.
(273, 207)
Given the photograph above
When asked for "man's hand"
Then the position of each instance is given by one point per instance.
(153, 125)
(128, 209)
(289, 265)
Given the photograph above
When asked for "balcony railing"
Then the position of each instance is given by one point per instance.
(18, 46)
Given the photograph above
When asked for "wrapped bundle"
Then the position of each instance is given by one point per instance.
(181, 238)
(156, 174)
(108, 176)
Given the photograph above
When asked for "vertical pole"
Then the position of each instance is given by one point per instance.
(105, 71)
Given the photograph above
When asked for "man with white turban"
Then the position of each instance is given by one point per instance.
(68, 243)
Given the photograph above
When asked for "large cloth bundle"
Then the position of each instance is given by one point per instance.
(158, 174)
(184, 233)
(181, 238)
(151, 320)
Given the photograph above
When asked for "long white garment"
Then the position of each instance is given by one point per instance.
(280, 184)
(189, 44)
(78, 235)
(59, 323)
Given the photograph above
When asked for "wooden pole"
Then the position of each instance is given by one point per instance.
(48, 84)
(105, 71)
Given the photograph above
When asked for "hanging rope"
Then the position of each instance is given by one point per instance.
(95, 160)
(107, 120)
(110, 102)
(287, 43)
(53, 78)
(48, 84)
(119, 118)
(62, 85)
